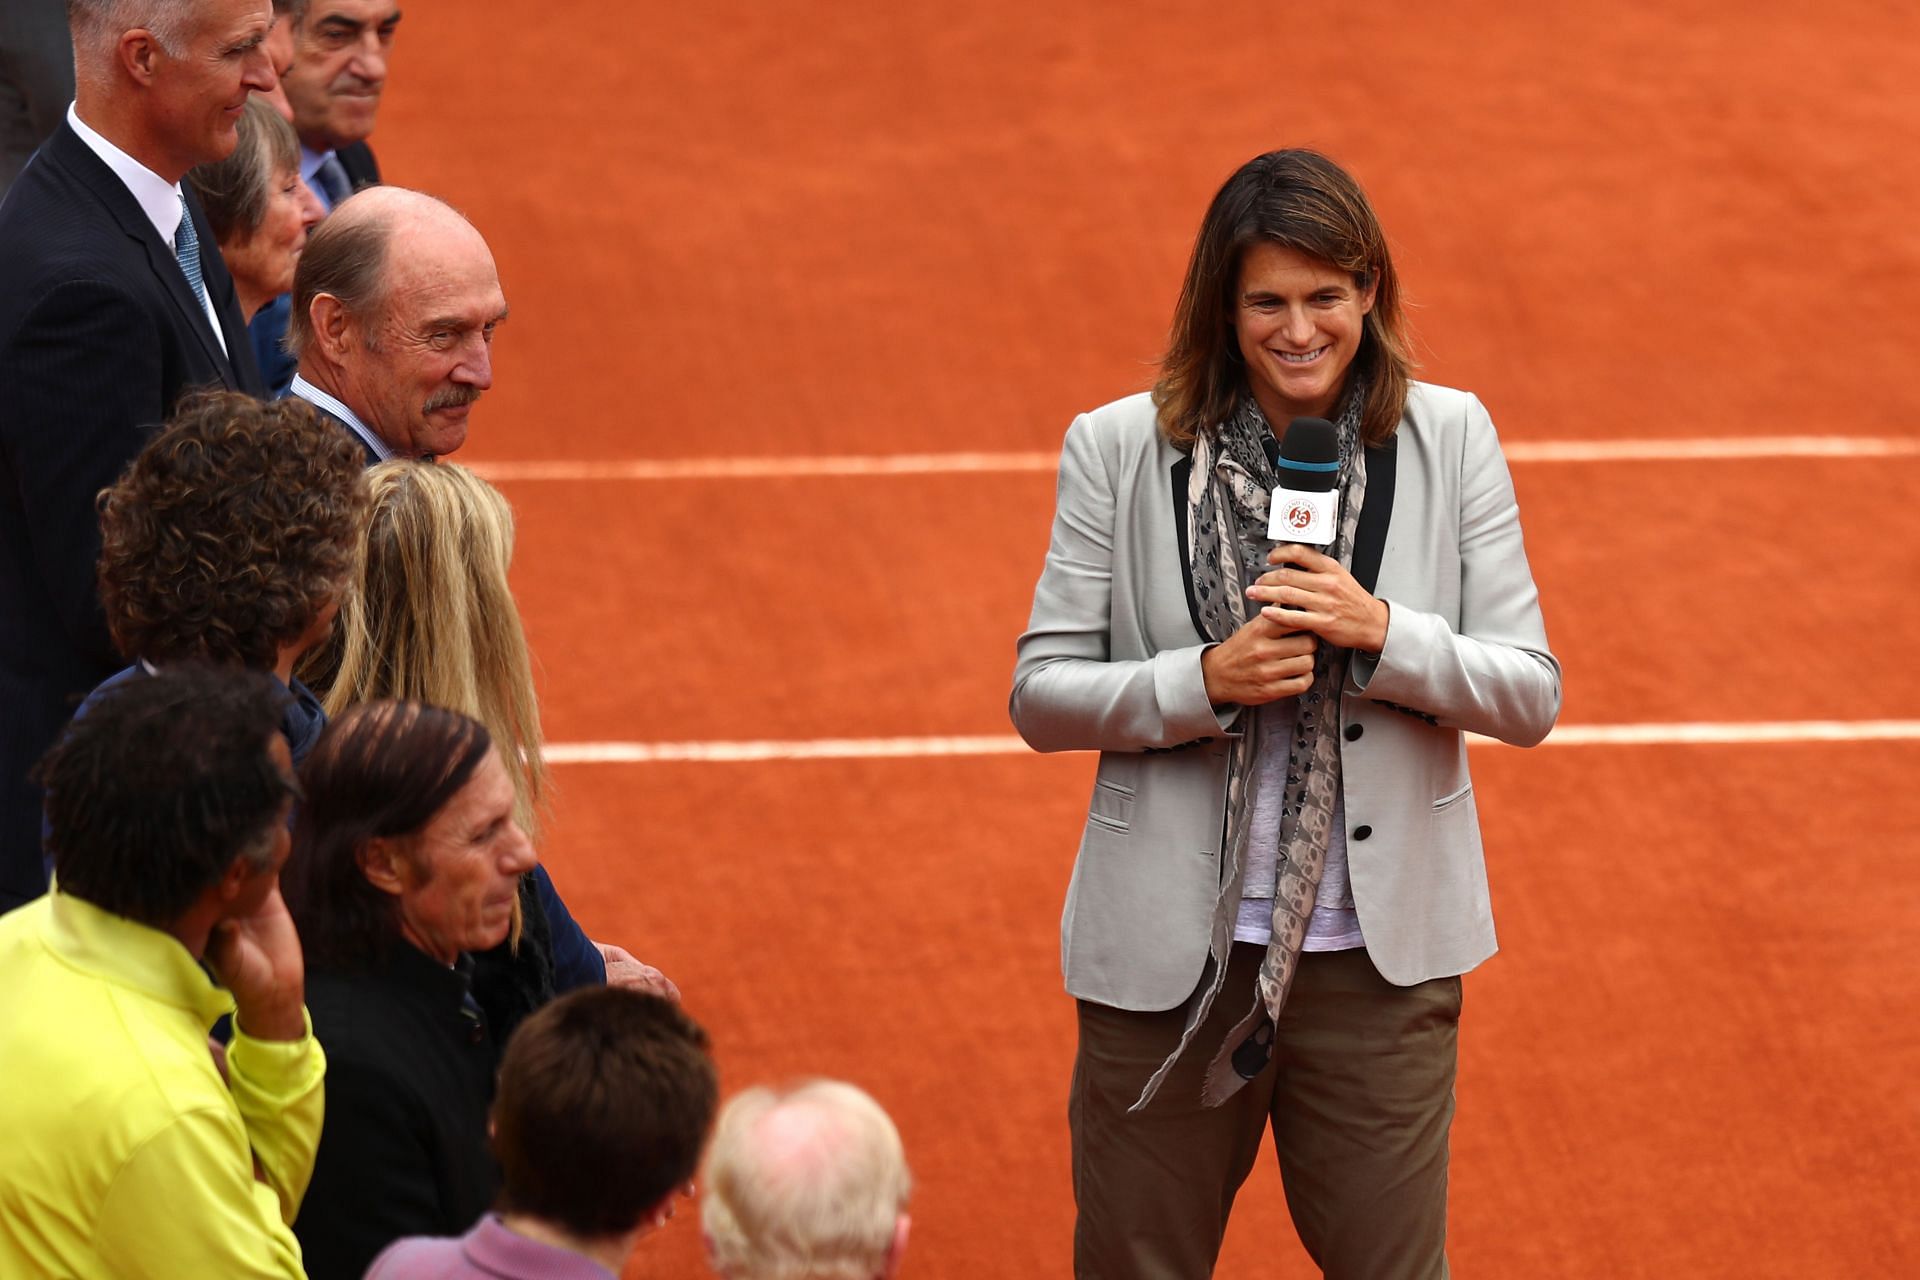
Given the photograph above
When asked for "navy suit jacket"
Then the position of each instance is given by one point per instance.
(99, 336)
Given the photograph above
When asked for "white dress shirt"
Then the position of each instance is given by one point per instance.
(159, 199)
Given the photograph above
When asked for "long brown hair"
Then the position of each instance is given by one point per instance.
(1306, 202)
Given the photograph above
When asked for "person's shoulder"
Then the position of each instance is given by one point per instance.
(1128, 414)
(1129, 425)
(1440, 413)
(1431, 400)
(422, 1258)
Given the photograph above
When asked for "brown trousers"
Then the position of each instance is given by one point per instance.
(1360, 1097)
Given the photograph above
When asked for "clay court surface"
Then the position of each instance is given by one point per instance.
(743, 230)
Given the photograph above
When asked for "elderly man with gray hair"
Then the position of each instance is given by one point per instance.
(394, 307)
(809, 1182)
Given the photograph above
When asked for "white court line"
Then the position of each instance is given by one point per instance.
(1572, 735)
(924, 464)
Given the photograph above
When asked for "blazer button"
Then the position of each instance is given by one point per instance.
(1354, 731)
(1361, 833)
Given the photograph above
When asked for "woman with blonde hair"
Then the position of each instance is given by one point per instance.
(432, 619)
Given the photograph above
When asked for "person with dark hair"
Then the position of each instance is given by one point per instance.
(126, 1152)
(113, 304)
(230, 541)
(258, 208)
(406, 861)
(605, 1100)
(333, 88)
(1280, 880)
(395, 304)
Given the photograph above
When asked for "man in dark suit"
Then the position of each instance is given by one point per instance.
(113, 302)
(332, 90)
(395, 302)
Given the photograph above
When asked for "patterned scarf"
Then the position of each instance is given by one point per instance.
(1227, 501)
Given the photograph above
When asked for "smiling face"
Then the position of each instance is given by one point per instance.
(339, 69)
(459, 882)
(1299, 322)
(417, 364)
(262, 262)
(195, 99)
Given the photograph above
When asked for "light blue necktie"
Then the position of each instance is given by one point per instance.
(186, 247)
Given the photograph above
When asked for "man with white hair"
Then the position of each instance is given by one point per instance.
(113, 302)
(806, 1183)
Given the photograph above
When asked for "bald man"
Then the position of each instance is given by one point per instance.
(804, 1182)
(113, 304)
(394, 306)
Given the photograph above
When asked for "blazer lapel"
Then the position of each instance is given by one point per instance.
(118, 201)
(1370, 539)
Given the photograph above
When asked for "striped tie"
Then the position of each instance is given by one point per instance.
(186, 247)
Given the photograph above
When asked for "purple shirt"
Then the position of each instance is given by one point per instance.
(488, 1252)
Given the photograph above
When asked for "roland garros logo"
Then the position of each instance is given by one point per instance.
(1298, 515)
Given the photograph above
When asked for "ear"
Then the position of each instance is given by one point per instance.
(332, 326)
(1367, 294)
(139, 55)
(234, 879)
(898, 1249)
(380, 861)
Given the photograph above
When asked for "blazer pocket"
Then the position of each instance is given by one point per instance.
(1448, 801)
(1112, 805)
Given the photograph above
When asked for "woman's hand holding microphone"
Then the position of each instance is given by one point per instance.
(1271, 657)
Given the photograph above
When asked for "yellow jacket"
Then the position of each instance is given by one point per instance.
(124, 1152)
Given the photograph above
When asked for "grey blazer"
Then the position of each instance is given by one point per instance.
(1110, 662)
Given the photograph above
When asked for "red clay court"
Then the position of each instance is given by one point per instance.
(773, 266)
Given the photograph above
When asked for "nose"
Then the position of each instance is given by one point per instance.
(310, 210)
(1297, 328)
(257, 72)
(370, 61)
(520, 857)
(476, 370)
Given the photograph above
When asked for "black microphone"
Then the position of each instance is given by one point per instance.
(1305, 505)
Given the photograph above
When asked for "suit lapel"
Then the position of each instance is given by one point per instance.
(118, 201)
(1182, 469)
(1370, 539)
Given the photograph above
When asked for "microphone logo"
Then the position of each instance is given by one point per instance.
(1298, 515)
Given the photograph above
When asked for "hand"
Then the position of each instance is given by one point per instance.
(1263, 661)
(257, 957)
(1324, 598)
(625, 971)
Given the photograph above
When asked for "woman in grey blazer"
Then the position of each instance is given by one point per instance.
(1280, 878)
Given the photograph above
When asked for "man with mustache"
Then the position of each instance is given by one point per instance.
(395, 303)
(113, 303)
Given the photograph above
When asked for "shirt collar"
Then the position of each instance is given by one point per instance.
(130, 954)
(158, 198)
(315, 396)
